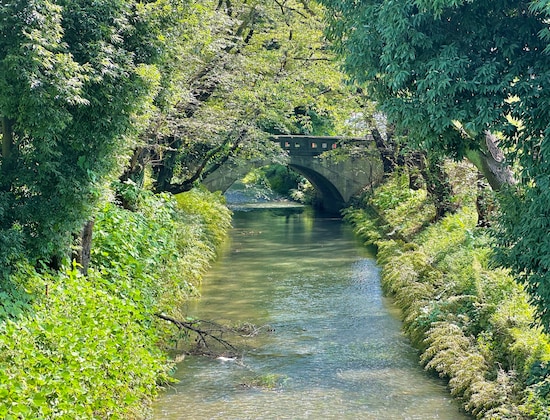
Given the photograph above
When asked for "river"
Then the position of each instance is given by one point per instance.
(333, 349)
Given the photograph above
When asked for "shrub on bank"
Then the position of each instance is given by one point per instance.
(470, 321)
(83, 352)
(87, 347)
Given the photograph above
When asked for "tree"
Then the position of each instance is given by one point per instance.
(423, 168)
(443, 71)
(73, 76)
(243, 71)
(524, 234)
(466, 78)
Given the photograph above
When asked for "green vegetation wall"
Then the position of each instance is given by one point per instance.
(471, 321)
(91, 347)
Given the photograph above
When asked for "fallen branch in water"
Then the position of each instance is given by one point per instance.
(214, 332)
(209, 335)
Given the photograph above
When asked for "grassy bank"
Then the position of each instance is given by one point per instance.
(470, 321)
(76, 347)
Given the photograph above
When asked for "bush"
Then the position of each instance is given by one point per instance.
(82, 353)
(88, 347)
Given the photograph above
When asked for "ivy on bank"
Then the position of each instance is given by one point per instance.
(471, 321)
(88, 347)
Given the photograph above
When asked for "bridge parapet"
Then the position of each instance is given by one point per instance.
(299, 145)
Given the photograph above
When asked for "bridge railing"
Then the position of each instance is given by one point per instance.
(312, 145)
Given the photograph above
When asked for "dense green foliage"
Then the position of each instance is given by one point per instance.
(242, 70)
(84, 352)
(154, 94)
(449, 72)
(71, 82)
(471, 322)
(88, 347)
(283, 182)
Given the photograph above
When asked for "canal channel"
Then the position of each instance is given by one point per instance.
(332, 346)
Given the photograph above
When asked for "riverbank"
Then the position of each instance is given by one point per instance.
(471, 322)
(78, 347)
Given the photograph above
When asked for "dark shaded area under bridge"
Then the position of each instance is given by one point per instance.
(336, 179)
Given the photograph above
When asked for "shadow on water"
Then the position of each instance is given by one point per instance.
(335, 349)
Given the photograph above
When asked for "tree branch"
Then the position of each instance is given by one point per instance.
(201, 172)
(202, 334)
(492, 164)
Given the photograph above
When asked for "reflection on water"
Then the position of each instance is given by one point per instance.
(336, 351)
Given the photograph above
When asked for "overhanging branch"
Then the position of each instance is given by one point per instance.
(230, 145)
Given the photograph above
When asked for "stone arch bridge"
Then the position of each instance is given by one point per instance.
(336, 179)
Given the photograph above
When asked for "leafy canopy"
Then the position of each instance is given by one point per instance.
(444, 71)
(73, 78)
(448, 71)
(234, 73)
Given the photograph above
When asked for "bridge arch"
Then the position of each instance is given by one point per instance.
(336, 181)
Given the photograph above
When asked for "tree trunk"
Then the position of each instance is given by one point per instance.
(415, 162)
(491, 163)
(485, 204)
(163, 171)
(438, 186)
(7, 159)
(136, 169)
(83, 254)
(388, 150)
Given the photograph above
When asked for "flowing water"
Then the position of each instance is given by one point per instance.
(333, 349)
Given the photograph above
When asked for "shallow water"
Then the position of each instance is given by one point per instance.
(334, 349)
